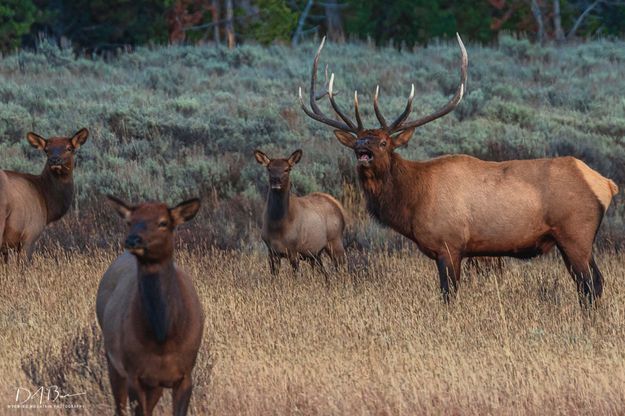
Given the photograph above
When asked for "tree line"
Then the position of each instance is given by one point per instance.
(101, 25)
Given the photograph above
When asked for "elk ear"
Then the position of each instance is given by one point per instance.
(36, 141)
(403, 137)
(346, 138)
(80, 138)
(185, 211)
(122, 208)
(295, 157)
(261, 157)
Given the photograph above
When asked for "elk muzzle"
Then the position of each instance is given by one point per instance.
(276, 183)
(56, 164)
(135, 244)
(363, 154)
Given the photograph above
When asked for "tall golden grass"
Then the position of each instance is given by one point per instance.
(376, 341)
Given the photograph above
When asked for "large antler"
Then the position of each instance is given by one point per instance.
(315, 112)
(396, 126)
(399, 124)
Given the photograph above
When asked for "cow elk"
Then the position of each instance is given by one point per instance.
(149, 311)
(295, 227)
(457, 206)
(30, 202)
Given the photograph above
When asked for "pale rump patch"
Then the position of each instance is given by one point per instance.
(332, 200)
(603, 188)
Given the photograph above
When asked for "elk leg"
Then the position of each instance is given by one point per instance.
(153, 395)
(336, 251)
(448, 274)
(25, 252)
(294, 264)
(585, 273)
(274, 264)
(182, 396)
(118, 387)
(317, 263)
(138, 399)
(29, 247)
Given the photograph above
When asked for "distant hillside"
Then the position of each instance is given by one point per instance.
(172, 122)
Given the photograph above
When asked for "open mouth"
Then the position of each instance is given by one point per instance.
(58, 169)
(364, 156)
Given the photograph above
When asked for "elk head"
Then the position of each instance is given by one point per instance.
(373, 148)
(59, 150)
(151, 227)
(278, 169)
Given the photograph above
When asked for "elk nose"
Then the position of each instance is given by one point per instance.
(133, 241)
(55, 161)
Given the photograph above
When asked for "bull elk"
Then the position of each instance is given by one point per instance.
(149, 311)
(457, 206)
(30, 202)
(299, 227)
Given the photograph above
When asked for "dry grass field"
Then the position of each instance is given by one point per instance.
(376, 341)
(175, 122)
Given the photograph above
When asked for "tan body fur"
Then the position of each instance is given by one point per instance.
(471, 207)
(458, 206)
(133, 355)
(299, 227)
(150, 314)
(23, 213)
(30, 202)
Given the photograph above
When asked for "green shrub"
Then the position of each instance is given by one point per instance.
(172, 122)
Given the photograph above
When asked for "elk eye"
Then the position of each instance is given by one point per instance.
(383, 144)
(69, 148)
(163, 224)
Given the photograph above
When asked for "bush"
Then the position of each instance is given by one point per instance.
(173, 122)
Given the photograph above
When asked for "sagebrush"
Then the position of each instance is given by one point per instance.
(171, 122)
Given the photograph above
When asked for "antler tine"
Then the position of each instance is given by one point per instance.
(320, 117)
(453, 103)
(335, 106)
(358, 119)
(378, 114)
(313, 78)
(325, 86)
(315, 112)
(403, 116)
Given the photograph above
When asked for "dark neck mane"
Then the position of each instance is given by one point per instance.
(388, 195)
(158, 289)
(58, 193)
(278, 204)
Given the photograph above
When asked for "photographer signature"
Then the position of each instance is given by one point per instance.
(49, 394)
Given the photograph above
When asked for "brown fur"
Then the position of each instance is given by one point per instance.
(459, 206)
(299, 227)
(149, 312)
(30, 202)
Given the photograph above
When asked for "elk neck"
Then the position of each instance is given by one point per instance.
(57, 193)
(392, 194)
(278, 203)
(159, 293)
